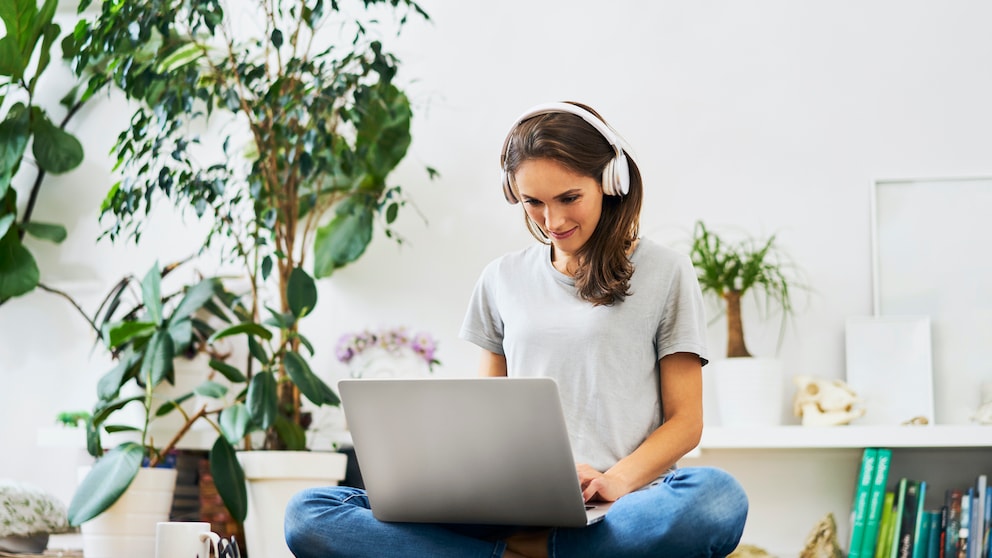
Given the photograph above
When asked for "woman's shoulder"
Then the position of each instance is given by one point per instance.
(517, 263)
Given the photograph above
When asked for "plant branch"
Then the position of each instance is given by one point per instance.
(74, 304)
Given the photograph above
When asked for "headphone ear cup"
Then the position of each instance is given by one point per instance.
(622, 170)
(610, 178)
(504, 178)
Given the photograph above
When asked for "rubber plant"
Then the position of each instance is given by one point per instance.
(33, 143)
(730, 270)
(282, 134)
(145, 340)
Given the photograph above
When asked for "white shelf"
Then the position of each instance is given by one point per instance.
(805, 437)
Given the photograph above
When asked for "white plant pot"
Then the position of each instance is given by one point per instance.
(748, 391)
(376, 362)
(273, 477)
(127, 528)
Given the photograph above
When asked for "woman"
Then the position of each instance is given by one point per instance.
(618, 322)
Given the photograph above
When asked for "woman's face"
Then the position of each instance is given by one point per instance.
(564, 204)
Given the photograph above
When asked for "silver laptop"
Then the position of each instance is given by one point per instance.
(472, 450)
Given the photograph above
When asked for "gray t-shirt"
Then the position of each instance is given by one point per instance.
(604, 358)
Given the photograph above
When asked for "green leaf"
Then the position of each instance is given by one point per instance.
(127, 331)
(291, 434)
(19, 272)
(210, 389)
(342, 240)
(14, 133)
(263, 399)
(157, 362)
(306, 343)
(24, 24)
(56, 150)
(46, 231)
(106, 482)
(383, 128)
(103, 412)
(391, 212)
(228, 371)
(258, 351)
(249, 328)
(168, 406)
(181, 332)
(183, 55)
(235, 422)
(151, 293)
(5, 222)
(110, 383)
(229, 478)
(310, 385)
(195, 298)
(301, 292)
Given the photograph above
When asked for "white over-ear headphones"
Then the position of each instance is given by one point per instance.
(616, 174)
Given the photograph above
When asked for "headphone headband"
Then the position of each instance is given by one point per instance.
(616, 175)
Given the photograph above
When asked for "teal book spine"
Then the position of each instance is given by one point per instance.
(934, 520)
(876, 503)
(859, 507)
(920, 530)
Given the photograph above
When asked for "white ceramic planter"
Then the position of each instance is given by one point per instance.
(127, 528)
(748, 390)
(273, 477)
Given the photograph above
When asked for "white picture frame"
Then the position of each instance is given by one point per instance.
(930, 257)
(890, 366)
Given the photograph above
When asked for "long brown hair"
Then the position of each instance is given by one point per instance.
(603, 275)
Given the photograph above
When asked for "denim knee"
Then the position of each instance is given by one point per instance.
(722, 504)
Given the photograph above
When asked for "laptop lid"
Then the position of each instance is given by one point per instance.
(469, 450)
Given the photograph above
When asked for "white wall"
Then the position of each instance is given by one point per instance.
(772, 116)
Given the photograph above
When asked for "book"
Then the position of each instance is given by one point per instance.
(897, 511)
(906, 507)
(859, 507)
(933, 522)
(964, 532)
(884, 545)
(978, 517)
(920, 527)
(988, 522)
(876, 503)
(952, 529)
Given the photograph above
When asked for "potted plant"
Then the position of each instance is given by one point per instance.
(144, 342)
(280, 134)
(748, 389)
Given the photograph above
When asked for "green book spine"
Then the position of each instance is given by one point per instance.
(876, 503)
(897, 513)
(859, 508)
(920, 532)
(884, 546)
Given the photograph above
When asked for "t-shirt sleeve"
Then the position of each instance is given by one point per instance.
(483, 325)
(683, 326)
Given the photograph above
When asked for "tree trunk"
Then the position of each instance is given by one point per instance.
(735, 328)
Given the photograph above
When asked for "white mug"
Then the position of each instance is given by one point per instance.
(185, 539)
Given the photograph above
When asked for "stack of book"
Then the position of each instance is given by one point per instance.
(890, 520)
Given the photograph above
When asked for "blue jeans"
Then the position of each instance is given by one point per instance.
(691, 512)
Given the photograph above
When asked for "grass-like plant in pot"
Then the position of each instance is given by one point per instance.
(730, 270)
(749, 391)
(279, 122)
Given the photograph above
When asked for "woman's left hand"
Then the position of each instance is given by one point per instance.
(598, 486)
